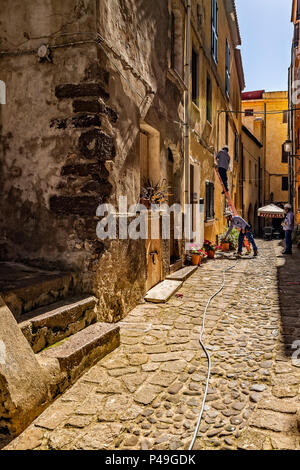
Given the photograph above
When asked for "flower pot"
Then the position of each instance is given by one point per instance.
(225, 246)
(196, 260)
(211, 254)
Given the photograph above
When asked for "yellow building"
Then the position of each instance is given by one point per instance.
(252, 155)
(264, 116)
(216, 82)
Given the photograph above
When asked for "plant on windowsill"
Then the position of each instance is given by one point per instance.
(154, 193)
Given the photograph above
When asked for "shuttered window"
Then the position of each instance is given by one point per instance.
(210, 201)
(285, 155)
(236, 147)
(214, 30)
(209, 99)
(227, 68)
(298, 10)
(195, 76)
(285, 183)
(172, 40)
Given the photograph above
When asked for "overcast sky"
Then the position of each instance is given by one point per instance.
(266, 32)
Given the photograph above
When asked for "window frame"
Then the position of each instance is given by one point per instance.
(227, 68)
(195, 79)
(284, 183)
(284, 155)
(214, 29)
(209, 201)
(209, 107)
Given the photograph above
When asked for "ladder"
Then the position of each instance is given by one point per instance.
(232, 206)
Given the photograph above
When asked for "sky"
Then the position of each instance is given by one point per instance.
(266, 32)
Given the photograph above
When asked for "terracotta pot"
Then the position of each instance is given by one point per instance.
(211, 254)
(225, 246)
(196, 260)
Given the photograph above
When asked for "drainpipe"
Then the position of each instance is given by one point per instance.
(186, 104)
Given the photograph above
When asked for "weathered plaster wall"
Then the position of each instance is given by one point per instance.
(69, 131)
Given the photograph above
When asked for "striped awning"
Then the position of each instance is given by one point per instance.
(271, 212)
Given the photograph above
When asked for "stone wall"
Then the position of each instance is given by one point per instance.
(68, 138)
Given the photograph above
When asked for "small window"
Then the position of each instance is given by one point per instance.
(172, 40)
(227, 69)
(209, 99)
(214, 30)
(285, 183)
(210, 201)
(236, 147)
(227, 129)
(285, 155)
(285, 117)
(195, 76)
(248, 112)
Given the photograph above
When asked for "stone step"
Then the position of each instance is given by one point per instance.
(182, 274)
(163, 291)
(84, 349)
(25, 288)
(48, 325)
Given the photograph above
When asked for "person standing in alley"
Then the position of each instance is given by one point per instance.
(288, 227)
(223, 160)
(245, 231)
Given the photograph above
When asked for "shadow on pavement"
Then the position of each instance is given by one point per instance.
(288, 267)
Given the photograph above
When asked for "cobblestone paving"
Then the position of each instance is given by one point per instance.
(147, 394)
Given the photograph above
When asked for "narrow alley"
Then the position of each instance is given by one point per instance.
(147, 393)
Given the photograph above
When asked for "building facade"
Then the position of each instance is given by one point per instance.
(265, 115)
(216, 83)
(294, 115)
(252, 188)
(101, 103)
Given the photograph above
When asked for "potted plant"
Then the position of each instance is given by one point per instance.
(210, 249)
(154, 193)
(231, 242)
(225, 245)
(197, 254)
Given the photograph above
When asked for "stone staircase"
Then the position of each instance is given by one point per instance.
(60, 326)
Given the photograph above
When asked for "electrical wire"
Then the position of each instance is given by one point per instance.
(207, 354)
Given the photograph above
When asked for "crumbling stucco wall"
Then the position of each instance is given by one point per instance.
(69, 132)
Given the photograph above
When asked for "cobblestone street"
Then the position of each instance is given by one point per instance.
(147, 394)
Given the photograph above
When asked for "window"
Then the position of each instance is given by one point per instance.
(248, 112)
(210, 201)
(227, 129)
(227, 69)
(298, 10)
(195, 76)
(172, 40)
(285, 183)
(285, 117)
(285, 155)
(256, 175)
(236, 147)
(208, 99)
(250, 172)
(214, 30)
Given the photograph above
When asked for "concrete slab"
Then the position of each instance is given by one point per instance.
(163, 291)
(182, 274)
(46, 326)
